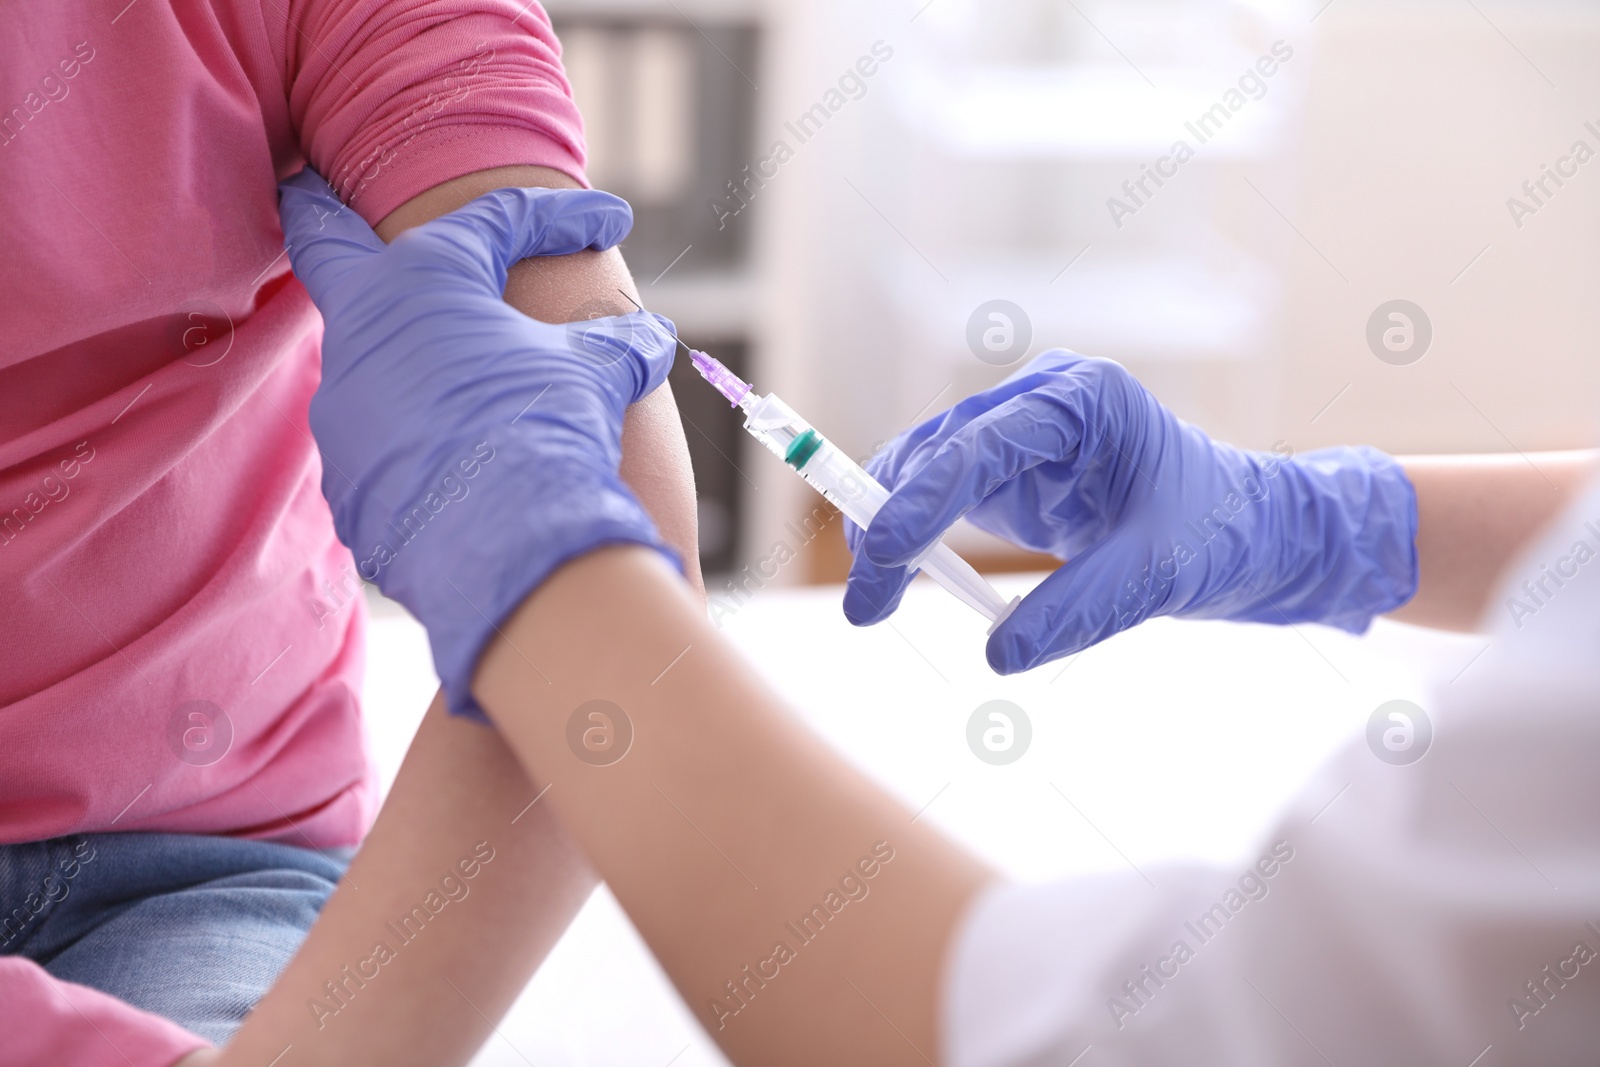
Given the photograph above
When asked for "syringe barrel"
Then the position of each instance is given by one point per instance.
(856, 493)
(846, 485)
(859, 496)
(947, 568)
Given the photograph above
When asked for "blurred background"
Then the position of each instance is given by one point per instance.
(830, 195)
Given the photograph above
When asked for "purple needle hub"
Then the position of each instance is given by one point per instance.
(726, 382)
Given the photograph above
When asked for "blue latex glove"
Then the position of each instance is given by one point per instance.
(468, 450)
(1072, 456)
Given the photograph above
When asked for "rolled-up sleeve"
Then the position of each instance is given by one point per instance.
(393, 97)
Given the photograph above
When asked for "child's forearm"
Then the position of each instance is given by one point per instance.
(459, 892)
(799, 910)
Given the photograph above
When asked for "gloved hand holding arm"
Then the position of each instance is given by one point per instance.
(517, 470)
(462, 367)
(1072, 456)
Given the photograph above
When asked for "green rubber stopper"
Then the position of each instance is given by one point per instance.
(802, 448)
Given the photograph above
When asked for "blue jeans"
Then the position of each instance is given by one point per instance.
(190, 927)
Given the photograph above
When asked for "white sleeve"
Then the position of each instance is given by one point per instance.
(1441, 912)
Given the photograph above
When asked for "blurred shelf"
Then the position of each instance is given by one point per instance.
(669, 99)
(669, 115)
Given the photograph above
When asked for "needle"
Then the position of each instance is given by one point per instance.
(640, 306)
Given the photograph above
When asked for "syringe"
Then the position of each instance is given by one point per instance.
(842, 481)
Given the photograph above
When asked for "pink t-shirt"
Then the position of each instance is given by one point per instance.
(180, 630)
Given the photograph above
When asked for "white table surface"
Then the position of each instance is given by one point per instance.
(1176, 741)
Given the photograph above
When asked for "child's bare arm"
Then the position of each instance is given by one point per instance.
(458, 893)
(799, 910)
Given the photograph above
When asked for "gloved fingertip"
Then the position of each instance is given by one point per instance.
(873, 594)
(613, 215)
(858, 610)
(653, 336)
(1004, 653)
(884, 543)
(515, 223)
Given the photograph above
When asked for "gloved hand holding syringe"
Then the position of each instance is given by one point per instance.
(842, 481)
